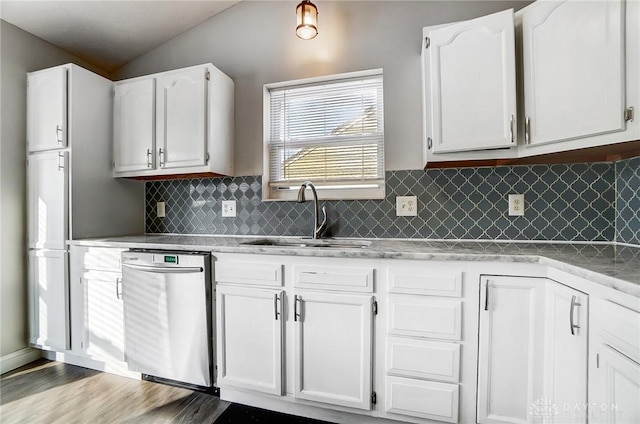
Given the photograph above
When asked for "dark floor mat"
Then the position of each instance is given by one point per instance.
(241, 414)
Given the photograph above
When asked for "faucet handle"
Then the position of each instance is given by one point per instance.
(323, 225)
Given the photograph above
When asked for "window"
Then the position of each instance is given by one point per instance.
(329, 131)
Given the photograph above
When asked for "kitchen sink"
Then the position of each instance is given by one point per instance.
(318, 243)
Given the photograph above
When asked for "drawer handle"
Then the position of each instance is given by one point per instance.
(118, 285)
(296, 314)
(58, 130)
(573, 326)
(275, 306)
(486, 296)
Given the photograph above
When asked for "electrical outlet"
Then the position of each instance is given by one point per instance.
(406, 206)
(228, 208)
(516, 205)
(160, 210)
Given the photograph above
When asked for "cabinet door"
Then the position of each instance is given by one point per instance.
(47, 109)
(48, 304)
(333, 347)
(614, 387)
(47, 201)
(574, 69)
(510, 355)
(181, 119)
(133, 125)
(565, 365)
(103, 315)
(249, 338)
(472, 84)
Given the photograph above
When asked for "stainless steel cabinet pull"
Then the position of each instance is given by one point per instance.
(571, 324)
(296, 314)
(161, 155)
(486, 296)
(60, 161)
(527, 130)
(149, 153)
(118, 284)
(511, 129)
(275, 306)
(58, 130)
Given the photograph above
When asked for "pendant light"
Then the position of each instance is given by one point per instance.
(307, 14)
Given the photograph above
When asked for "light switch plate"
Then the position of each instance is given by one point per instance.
(228, 208)
(516, 205)
(406, 206)
(160, 210)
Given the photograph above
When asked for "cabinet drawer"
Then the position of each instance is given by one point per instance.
(100, 258)
(618, 326)
(252, 273)
(358, 279)
(423, 359)
(424, 278)
(423, 399)
(425, 317)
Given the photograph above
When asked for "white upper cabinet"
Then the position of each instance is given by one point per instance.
(47, 109)
(47, 199)
(471, 84)
(134, 125)
(171, 123)
(181, 120)
(577, 64)
(574, 69)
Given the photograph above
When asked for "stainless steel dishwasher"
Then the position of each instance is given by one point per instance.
(168, 315)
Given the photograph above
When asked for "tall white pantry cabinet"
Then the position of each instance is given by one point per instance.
(70, 190)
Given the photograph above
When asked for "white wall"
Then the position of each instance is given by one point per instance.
(254, 42)
(20, 52)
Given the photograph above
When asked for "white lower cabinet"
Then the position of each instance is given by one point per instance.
(614, 364)
(249, 331)
(333, 348)
(48, 299)
(422, 399)
(97, 316)
(565, 360)
(511, 342)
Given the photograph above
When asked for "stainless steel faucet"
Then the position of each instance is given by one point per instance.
(318, 227)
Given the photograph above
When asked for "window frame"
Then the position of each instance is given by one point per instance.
(355, 190)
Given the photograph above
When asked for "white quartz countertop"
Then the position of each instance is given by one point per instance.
(608, 264)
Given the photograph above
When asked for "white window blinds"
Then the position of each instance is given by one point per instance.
(331, 133)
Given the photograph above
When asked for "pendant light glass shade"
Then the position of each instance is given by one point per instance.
(307, 14)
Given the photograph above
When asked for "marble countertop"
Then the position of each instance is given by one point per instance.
(612, 265)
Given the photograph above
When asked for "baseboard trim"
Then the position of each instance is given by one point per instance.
(18, 358)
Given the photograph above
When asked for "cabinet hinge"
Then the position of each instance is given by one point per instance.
(427, 42)
(628, 114)
(374, 398)
(207, 75)
(374, 307)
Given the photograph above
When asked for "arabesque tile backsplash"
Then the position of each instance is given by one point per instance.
(565, 202)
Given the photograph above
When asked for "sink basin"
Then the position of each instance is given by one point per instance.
(319, 243)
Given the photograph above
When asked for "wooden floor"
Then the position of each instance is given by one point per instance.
(53, 392)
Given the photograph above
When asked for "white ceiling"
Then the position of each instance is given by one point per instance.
(109, 33)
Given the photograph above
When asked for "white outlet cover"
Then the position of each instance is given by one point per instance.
(228, 208)
(160, 210)
(516, 205)
(406, 206)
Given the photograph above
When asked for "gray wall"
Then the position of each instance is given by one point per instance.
(254, 42)
(20, 52)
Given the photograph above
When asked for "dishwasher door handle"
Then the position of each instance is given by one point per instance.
(164, 269)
